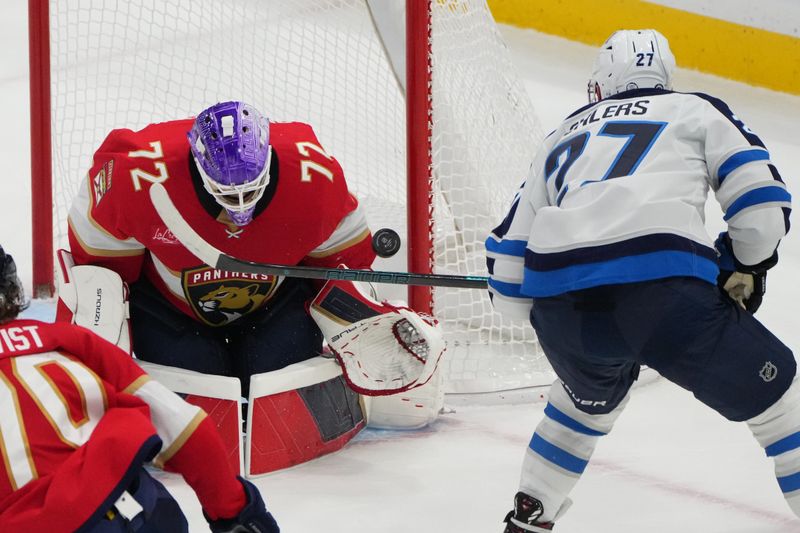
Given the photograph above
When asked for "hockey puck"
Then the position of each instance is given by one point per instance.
(385, 242)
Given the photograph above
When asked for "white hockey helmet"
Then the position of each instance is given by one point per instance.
(631, 59)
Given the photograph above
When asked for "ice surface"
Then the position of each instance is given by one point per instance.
(670, 464)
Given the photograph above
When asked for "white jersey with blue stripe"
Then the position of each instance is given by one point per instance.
(616, 194)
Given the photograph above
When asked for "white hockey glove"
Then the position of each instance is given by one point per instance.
(745, 285)
(383, 349)
(740, 286)
(93, 297)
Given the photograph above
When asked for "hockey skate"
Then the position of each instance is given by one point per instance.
(523, 519)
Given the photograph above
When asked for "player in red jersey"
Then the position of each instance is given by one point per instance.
(80, 419)
(257, 190)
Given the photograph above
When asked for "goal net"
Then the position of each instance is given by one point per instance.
(328, 63)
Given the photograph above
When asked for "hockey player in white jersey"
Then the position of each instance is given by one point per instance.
(605, 251)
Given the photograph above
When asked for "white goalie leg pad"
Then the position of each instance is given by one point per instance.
(778, 431)
(95, 298)
(560, 450)
(413, 409)
(383, 349)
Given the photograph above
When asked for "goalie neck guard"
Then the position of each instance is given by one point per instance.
(230, 145)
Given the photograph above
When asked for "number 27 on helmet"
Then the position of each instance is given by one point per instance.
(631, 59)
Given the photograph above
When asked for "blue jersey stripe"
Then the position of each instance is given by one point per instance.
(515, 248)
(557, 456)
(761, 195)
(657, 242)
(789, 483)
(502, 229)
(786, 214)
(738, 159)
(786, 444)
(570, 422)
(775, 174)
(630, 269)
(507, 289)
(723, 108)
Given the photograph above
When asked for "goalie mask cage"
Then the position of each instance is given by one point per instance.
(438, 160)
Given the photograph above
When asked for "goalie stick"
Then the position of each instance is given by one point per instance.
(211, 256)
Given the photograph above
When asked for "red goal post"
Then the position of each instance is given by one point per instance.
(42, 208)
(420, 103)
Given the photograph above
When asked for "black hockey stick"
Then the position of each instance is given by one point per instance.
(204, 251)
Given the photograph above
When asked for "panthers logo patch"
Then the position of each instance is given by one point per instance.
(219, 297)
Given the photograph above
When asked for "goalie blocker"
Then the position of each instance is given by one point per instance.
(93, 297)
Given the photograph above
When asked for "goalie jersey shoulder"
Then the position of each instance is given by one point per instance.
(311, 198)
(128, 162)
(311, 178)
(113, 198)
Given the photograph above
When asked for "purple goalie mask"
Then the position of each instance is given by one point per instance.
(230, 144)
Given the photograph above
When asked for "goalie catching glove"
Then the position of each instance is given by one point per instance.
(745, 285)
(383, 349)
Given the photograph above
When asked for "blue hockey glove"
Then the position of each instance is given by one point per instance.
(743, 284)
(253, 518)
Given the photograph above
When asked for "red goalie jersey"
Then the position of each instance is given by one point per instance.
(79, 418)
(306, 217)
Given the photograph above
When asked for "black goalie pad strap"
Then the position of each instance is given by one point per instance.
(334, 407)
(346, 306)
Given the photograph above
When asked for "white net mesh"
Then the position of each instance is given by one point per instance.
(127, 63)
(484, 136)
